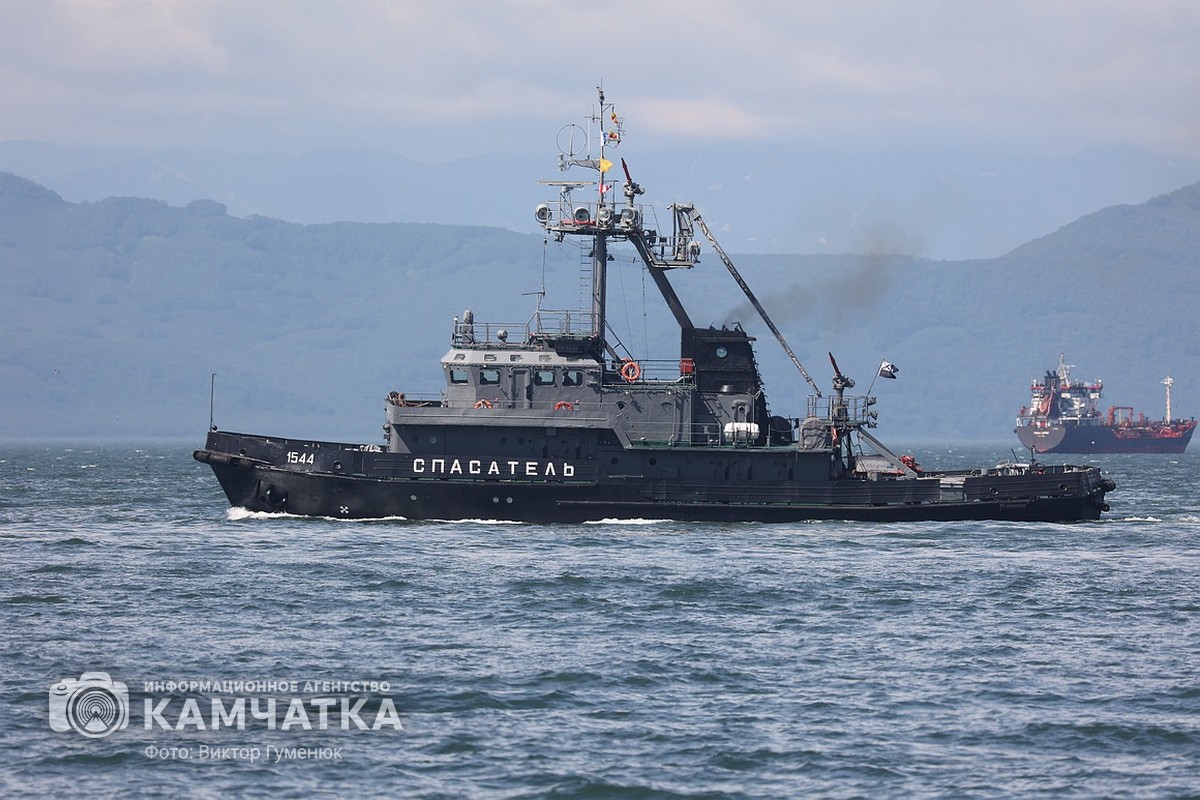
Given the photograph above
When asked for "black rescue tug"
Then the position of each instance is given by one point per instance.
(550, 423)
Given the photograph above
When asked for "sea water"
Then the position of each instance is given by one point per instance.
(622, 659)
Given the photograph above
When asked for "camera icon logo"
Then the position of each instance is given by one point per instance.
(94, 706)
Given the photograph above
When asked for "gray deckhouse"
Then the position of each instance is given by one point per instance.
(555, 388)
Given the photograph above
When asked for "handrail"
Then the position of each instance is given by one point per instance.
(854, 409)
(544, 322)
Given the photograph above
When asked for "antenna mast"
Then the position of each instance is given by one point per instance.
(213, 400)
(583, 216)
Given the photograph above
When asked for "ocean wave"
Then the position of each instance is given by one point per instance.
(238, 513)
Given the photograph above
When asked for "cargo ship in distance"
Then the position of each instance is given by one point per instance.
(1063, 417)
(555, 420)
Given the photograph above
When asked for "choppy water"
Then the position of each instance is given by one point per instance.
(621, 659)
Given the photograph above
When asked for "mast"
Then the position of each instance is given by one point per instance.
(599, 283)
(584, 218)
(594, 219)
(600, 238)
(1168, 383)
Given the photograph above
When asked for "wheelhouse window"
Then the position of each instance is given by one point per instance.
(573, 377)
(489, 377)
(458, 375)
(543, 377)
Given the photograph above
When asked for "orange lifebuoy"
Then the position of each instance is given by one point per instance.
(631, 371)
(563, 405)
(483, 403)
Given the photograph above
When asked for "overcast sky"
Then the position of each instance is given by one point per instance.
(436, 80)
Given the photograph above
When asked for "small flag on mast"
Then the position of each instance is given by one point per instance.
(888, 370)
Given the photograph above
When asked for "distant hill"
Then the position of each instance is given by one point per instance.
(113, 315)
(930, 203)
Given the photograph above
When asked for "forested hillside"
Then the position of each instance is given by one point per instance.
(115, 313)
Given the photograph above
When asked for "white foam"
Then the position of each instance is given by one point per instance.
(238, 513)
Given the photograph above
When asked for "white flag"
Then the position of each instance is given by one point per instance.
(887, 370)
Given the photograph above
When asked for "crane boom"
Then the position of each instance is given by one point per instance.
(762, 312)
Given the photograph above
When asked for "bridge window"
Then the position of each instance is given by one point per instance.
(573, 377)
(543, 377)
(458, 375)
(489, 377)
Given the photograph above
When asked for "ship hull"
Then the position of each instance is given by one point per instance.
(1101, 439)
(357, 482)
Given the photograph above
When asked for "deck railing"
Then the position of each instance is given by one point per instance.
(544, 323)
(854, 410)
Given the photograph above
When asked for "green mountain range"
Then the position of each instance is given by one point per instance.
(115, 314)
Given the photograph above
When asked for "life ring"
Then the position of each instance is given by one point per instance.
(563, 405)
(631, 371)
(483, 403)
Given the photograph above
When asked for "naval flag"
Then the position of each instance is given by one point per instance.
(888, 370)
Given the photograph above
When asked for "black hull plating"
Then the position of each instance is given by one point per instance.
(257, 484)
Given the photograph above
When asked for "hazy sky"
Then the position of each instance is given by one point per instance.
(440, 79)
